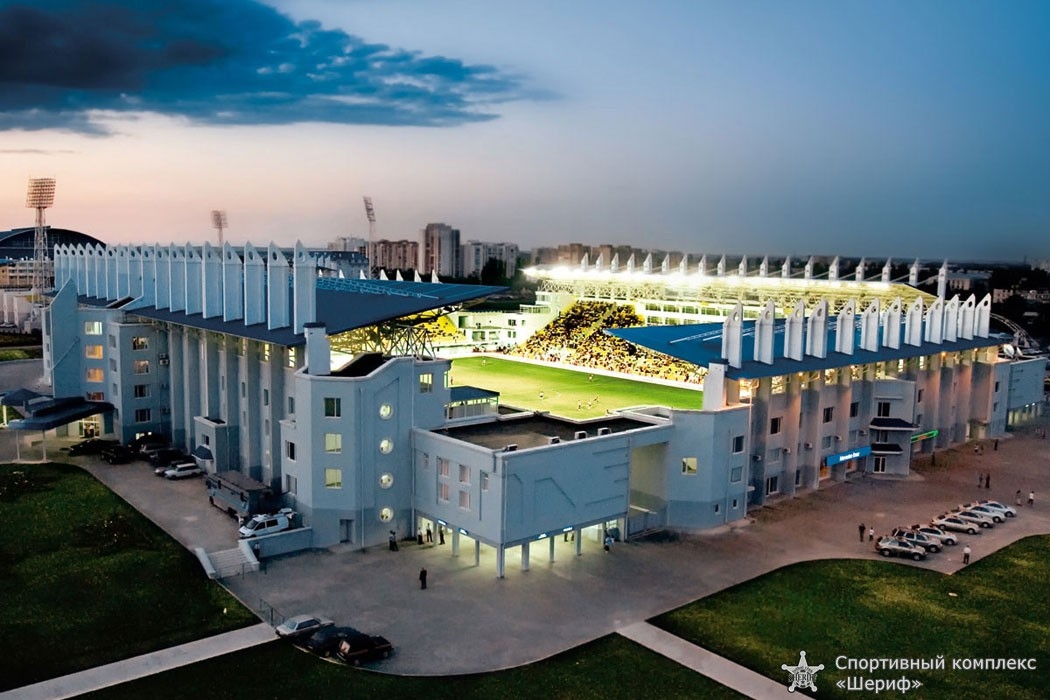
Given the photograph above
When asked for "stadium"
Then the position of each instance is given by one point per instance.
(639, 399)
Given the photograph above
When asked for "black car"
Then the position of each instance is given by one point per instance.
(147, 442)
(326, 641)
(117, 454)
(363, 647)
(166, 456)
(91, 446)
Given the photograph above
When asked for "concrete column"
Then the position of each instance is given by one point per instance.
(501, 562)
(477, 553)
(551, 543)
(578, 534)
(525, 556)
(455, 543)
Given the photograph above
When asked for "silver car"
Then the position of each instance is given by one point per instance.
(980, 519)
(887, 546)
(945, 538)
(951, 522)
(914, 537)
(1008, 511)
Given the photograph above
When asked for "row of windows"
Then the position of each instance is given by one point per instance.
(689, 468)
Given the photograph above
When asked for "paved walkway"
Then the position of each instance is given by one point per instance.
(735, 676)
(145, 665)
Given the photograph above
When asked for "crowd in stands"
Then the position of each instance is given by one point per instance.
(576, 337)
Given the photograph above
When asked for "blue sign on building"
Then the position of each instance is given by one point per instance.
(839, 458)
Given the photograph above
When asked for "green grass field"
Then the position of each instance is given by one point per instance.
(565, 392)
(86, 580)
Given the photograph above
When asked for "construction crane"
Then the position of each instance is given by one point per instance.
(370, 212)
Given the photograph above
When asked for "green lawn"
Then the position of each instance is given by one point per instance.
(565, 392)
(86, 580)
(24, 354)
(607, 669)
(879, 609)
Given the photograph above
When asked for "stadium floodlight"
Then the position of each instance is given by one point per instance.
(370, 213)
(218, 222)
(40, 196)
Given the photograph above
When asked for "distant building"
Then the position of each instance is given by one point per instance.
(397, 255)
(967, 281)
(441, 251)
(476, 255)
(344, 243)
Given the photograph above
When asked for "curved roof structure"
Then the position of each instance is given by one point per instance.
(18, 243)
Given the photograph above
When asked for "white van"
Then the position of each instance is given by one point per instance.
(267, 524)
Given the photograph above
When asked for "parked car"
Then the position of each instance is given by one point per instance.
(946, 538)
(915, 537)
(325, 641)
(951, 522)
(978, 518)
(183, 470)
(267, 524)
(166, 456)
(1008, 511)
(117, 454)
(363, 647)
(997, 516)
(887, 546)
(301, 626)
(147, 442)
(91, 446)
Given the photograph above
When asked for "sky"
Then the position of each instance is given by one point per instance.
(890, 129)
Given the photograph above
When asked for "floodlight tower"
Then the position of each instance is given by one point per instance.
(371, 214)
(218, 222)
(40, 196)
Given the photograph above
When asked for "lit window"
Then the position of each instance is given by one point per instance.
(385, 411)
(333, 442)
(738, 444)
(92, 327)
(265, 352)
(464, 500)
(95, 374)
(386, 514)
(93, 352)
(689, 466)
(140, 367)
(464, 474)
(333, 408)
(96, 396)
(291, 357)
(140, 343)
(386, 445)
(443, 492)
(426, 382)
(141, 391)
(386, 481)
(333, 478)
(143, 415)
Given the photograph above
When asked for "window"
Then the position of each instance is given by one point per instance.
(266, 397)
(333, 478)
(736, 475)
(265, 352)
(689, 466)
(878, 465)
(426, 461)
(206, 439)
(442, 466)
(95, 374)
(333, 442)
(854, 409)
(997, 387)
(918, 397)
(333, 408)
(141, 391)
(244, 389)
(772, 485)
(112, 341)
(386, 480)
(143, 415)
(825, 442)
(798, 479)
(93, 328)
(464, 500)
(291, 484)
(484, 481)
(116, 392)
(266, 426)
(385, 411)
(883, 409)
(775, 424)
(93, 352)
(829, 414)
(291, 357)
(291, 404)
(386, 514)
(140, 367)
(140, 343)
(738, 444)
(464, 474)
(96, 396)
(918, 420)
(426, 382)
(289, 450)
(716, 507)
(386, 446)
(774, 454)
(443, 492)
(734, 504)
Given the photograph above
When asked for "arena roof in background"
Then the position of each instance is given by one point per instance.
(19, 243)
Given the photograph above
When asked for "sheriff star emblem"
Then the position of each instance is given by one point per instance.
(803, 674)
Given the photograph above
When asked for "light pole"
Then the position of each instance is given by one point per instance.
(40, 196)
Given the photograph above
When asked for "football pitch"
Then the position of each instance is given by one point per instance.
(564, 392)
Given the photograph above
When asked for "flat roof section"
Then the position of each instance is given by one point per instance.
(535, 430)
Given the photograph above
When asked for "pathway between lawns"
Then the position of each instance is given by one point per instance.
(717, 668)
(140, 666)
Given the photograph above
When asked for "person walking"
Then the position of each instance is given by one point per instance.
(1031, 498)
(987, 481)
(608, 542)
(393, 541)
(419, 535)
(430, 535)
(871, 534)
(966, 555)
(995, 445)
(441, 534)
(423, 579)
(980, 476)
(860, 530)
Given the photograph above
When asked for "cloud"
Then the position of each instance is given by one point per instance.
(62, 62)
(35, 151)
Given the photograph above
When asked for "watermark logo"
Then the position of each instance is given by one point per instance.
(803, 674)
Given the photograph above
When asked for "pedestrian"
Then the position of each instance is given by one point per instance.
(871, 534)
(441, 534)
(579, 405)
(995, 445)
(608, 541)
(419, 535)
(1031, 498)
(1018, 499)
(966, 555)
(860, 530)
(423, 578)
(541, 396)
(393, 541)
(430, 535)
(980, 476)
(988, 481)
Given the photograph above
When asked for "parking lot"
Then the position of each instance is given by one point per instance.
(470, 621)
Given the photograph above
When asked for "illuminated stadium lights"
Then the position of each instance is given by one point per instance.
(40, 196)
(41, 193)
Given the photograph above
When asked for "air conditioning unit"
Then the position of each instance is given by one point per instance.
(553, 440)
(787, 450)
(164, 361)
(808, 445)
(757, 458)
(862, 431)
(838, 437)
(604, 431)
(580, 435)
(511, 447)
(162, 356)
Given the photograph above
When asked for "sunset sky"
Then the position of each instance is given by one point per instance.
(897, 129)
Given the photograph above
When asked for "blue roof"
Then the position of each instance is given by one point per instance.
(470, 393)
(62, 411)
(701, 344)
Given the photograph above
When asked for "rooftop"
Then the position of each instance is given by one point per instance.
(535, 430)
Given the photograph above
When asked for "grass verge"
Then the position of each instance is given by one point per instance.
(86, 580)
(877, 609)
(566, 392)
